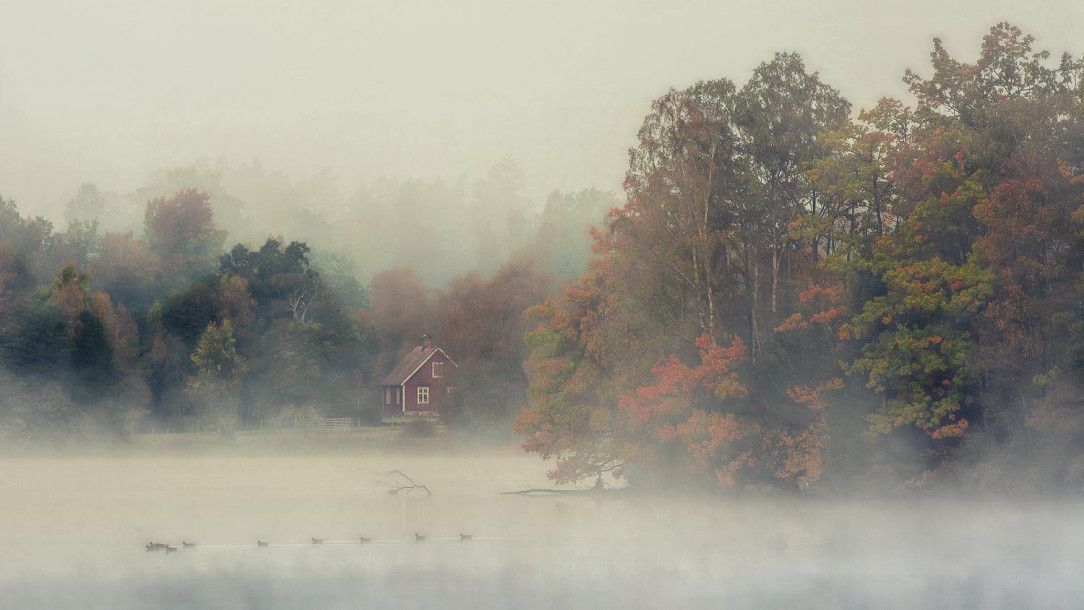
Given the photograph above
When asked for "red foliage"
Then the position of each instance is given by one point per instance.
(816, 295)
(953, 430)
(674, 408)
(830, 293)
(813, 397)
(180, 229)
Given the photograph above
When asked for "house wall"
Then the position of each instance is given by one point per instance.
(439, 399)
(392, 406)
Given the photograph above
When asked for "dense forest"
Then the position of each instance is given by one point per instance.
(793, 292)
(796, 294)
(112, 332)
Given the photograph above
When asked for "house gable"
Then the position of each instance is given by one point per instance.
(412, 363)
(426, 361)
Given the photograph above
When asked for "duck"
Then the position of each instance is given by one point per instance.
(363, 539)
(418, 537)
(260, 543)
(317, 540)
(171, 549)
(465, 537)
(156, 546)
(188, 545)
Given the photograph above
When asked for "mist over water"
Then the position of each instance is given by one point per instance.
(693, 304)
(72, 531)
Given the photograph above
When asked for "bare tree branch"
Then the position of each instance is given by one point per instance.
(396, 482)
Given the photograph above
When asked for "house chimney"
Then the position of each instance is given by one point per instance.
(427, 341)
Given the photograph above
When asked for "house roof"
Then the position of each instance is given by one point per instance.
(410, 365)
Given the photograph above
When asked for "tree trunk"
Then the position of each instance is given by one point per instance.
(754, 323)
(776, 254)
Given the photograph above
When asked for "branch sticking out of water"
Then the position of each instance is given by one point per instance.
(396, 482)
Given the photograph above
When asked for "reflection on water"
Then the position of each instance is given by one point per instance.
(72, 532)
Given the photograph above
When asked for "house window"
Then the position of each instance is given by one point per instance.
(423, 395)
(398, 393)
(387, 396)
(438, 370)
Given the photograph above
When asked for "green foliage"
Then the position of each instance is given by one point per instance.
(37, 338)
(215, 356)
(914, 274)
(91, 358)
(128, 326)
(186, 313)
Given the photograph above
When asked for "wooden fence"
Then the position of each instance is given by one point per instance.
(336, 424)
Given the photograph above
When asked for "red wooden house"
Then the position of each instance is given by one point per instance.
(420, 383)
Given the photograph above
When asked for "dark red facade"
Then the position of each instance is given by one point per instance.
(420, 384)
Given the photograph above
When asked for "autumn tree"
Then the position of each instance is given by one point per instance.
(588, 347)
(402, 310)
(480, 323)
(977, 274)
(180, 230)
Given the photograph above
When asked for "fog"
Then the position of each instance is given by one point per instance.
(110, 92)
(72, 531)
(649, 304)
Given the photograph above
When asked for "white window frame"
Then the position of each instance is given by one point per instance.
(387, 396)
(438, 371)
(423, 394)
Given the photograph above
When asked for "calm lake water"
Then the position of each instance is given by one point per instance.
(72, 531)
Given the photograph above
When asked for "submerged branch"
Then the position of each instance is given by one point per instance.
(397, 481)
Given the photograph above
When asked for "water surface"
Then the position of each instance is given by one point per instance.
(72, 531)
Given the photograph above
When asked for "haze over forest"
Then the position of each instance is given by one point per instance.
(227, 223)
(738, 303)
(113, 92)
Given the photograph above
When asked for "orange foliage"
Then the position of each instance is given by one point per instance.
(829, 298)
(813, 397)
(802, 453)
(953, 430)
(666, 410)
(703, 435)
(830, 293)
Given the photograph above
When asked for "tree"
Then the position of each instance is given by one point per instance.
(982, 255)
(785, 115)
(88, 205)
(215, 356)
(480, 322)
(180, 230)
(218, 370)
(498, 215)
(126, 269)
(704, 253)
(562, 245)
(402, 311)
(186, 313)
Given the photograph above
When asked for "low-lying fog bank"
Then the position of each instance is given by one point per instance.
(72, 532)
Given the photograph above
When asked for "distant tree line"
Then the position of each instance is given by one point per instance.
(792, 294)
(167, 329)
(798, 295)
(438, 228)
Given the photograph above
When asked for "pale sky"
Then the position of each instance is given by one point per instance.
(106, 91)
